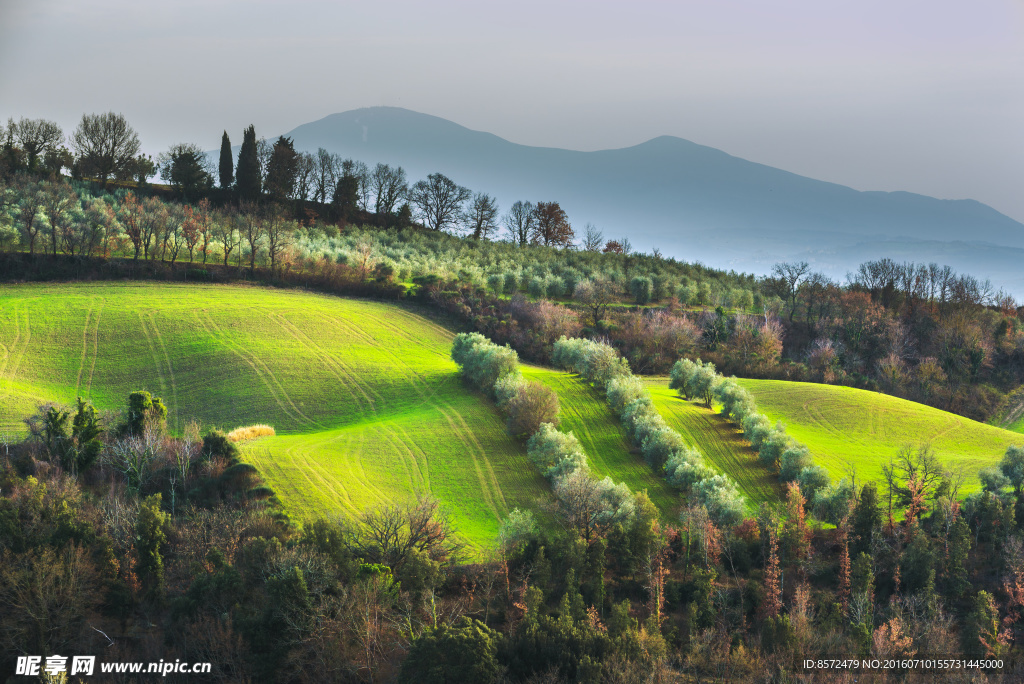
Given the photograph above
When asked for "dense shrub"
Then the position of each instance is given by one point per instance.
(533, 404)
(483, 362)
(496, 283)
(640, 287)
(555, 454)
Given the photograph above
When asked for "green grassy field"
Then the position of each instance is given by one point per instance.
(369, 407)
(366, 402)
(584, 412)
(843, 426)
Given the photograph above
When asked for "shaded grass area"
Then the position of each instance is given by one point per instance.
(367, 405)
(846, 427)
(584, 412)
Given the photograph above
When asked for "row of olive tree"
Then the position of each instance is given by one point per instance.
(776, 449)
(662, 447)
(591, 505)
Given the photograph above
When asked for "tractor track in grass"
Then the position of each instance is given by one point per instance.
(19, 357)
(334, 365)
(85, 347)
(170, 369)
(256, 364)
(485, 485)
(95, 347)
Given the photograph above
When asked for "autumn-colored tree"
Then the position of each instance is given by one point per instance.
(795, 531)
(772, 602)
(551, 227)
(890, 641)
(844, 564)
(613, 247)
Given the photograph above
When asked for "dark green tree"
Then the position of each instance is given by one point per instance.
(227, 163)
(464, 652)
(184, 165)
(866, 517)
(955, 568)
(282, 168)
(981, 628)
(247, 173)
(640, 287)
(151, 529)
(85, 434)
(346, 196)
(142, 406)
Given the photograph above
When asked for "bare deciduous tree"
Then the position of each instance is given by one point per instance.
(36, 137)
(438, 201)
(519, 222)
(105, 144)
(593, 239)
(388, 186)
(482, 217)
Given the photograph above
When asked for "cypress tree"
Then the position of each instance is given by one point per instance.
(227, 164)
(247, 174)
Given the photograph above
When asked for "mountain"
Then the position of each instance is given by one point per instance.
(688, 200)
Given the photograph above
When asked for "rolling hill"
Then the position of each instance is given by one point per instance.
(369, 407)
(845, 426)
(691, 201)
(367, 404)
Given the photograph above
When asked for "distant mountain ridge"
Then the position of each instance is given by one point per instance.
(689, 200)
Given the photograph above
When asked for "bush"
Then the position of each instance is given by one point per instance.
(596, 362)
(736, 402)
(812, 479)
(555, 287)
(623, 391)
(555, 454)
(831, 503)
(679, 377)
(772, 446)
(794, 459)
(217, 445)
(687, 294)
(506, 387)
(537, 286)
(659, 444)
(756, 427)
(511, 282)
(532, 405)
(719, 495)
(483, 362)
(641, 287)
(496, 283)
(244, 434)
(464, 652)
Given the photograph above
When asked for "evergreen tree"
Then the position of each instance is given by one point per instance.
(247, 174)
(227, 164)
(151, 531)
(956, 565)
(866, 517)
(282, 168)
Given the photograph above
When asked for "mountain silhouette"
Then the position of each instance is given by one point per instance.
(690, 201)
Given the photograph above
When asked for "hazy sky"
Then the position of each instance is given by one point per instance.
(919, 95)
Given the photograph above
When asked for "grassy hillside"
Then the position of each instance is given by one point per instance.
(367, 405)
(844, 426)
(585, 412)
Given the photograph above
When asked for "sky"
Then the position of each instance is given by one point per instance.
(919, 95)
